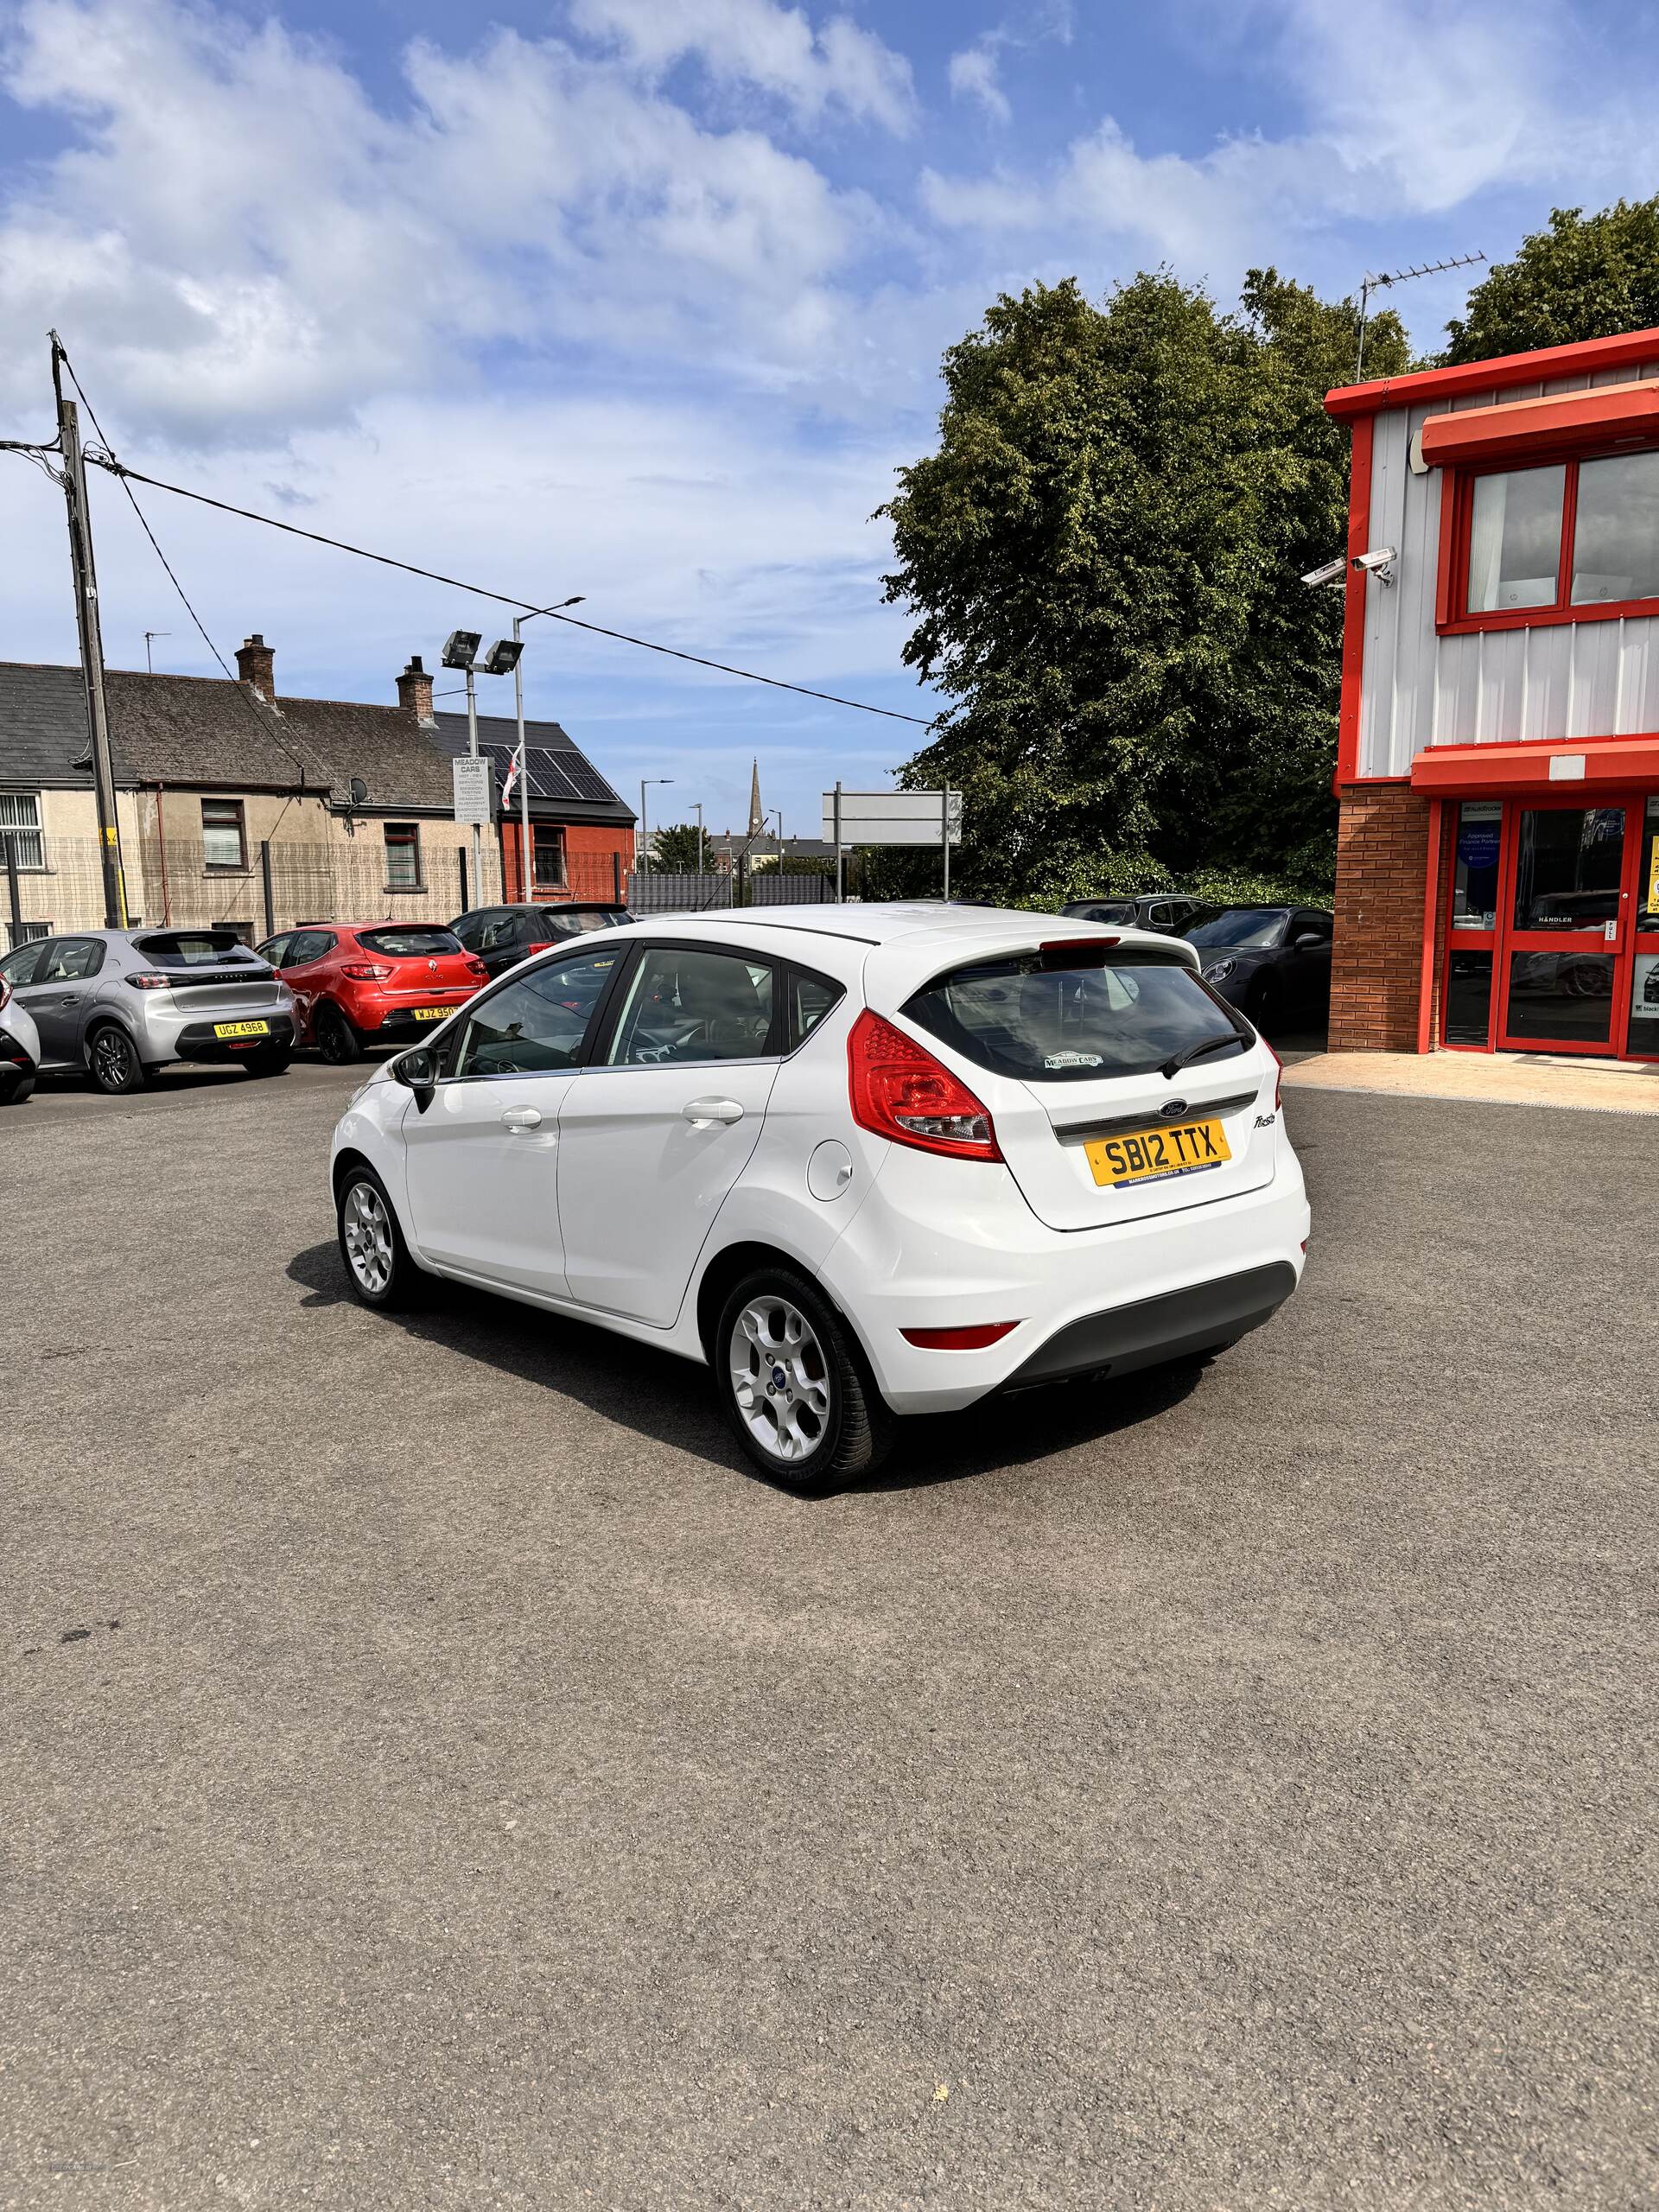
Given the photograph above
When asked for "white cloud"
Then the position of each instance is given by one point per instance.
(758, 43)
(973, 74)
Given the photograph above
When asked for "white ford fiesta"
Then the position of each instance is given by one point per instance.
(865, 1161)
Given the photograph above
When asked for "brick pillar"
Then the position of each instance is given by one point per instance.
(1377, 961)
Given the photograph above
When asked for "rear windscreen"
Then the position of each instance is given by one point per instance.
(1040, 1023)
(581, 921)
(410, 943)
(195, 948)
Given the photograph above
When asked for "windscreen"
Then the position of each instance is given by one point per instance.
(581, 921)
(1255, 926)
(195, 948)
(1041, 1023)
(409, 943)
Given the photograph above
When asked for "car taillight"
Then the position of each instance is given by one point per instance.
(150, 982)
(477, 968)
(900, 1090)
(546, 946)
(366, 971)
(1278, 1074)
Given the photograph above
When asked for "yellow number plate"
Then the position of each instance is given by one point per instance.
(1178, 1148)
(241, 1029)
(432, 1013)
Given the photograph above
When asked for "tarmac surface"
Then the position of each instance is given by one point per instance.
(434, 1773)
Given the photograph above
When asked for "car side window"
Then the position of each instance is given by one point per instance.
(19, 967)
(72, 959)
(1310, 924)
(271, 950)
(306, 946)
(810, 997)
(686, 1006)
(495, 933)
(467, 929)
(536, 1024)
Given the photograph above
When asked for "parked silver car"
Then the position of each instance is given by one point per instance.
(20, 1048)
(119, 1004)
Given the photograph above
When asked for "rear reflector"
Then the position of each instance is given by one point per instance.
(973, 1338)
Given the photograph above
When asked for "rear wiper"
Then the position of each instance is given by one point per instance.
(1197, 1051)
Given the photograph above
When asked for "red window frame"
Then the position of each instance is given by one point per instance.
(1451, 617)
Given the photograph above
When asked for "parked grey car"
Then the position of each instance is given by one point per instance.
(20, 1048)
(119, 1004)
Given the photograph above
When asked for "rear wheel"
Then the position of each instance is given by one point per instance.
(797, 1392)
(336, 1035)
(1265, 1002)
(371, 1244)
(113, 1063)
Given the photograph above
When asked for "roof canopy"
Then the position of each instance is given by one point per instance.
(1593, 357)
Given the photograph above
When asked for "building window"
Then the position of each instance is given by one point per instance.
(19, 816)
(28, 932)
(547, 855)
(1565, 540)
(224, 844)
(403, 857)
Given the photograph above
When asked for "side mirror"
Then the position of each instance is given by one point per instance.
(1309, 941)
(417, 1071)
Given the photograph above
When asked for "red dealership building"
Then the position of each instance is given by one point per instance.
(1497, 873)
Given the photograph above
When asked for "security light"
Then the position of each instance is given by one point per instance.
(461, 648)
(1331, 573)
(502, 657)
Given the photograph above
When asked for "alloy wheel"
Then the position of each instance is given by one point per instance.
(112, 1059)
(367, 1229)
(780, 1379)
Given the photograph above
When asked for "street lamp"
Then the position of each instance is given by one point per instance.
(697, 810)
(461, 651)
(518, 620)
(643, 781)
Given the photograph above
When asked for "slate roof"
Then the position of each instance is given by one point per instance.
(205, 734)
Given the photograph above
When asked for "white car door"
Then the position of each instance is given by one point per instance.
(658, 1128)
(481, 1160)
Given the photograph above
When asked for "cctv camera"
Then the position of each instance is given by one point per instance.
(1331, 573)
(1379, 562)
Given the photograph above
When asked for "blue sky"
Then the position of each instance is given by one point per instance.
(645, 299)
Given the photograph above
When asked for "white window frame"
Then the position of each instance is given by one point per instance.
(12, 807)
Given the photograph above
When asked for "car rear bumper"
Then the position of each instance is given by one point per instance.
(1182, 1323)
(933, 1249)
(196, 1041)
(398, 1025)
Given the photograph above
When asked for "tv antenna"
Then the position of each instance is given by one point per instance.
(1399, 277)
(149, 637)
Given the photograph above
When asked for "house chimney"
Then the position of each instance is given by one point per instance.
(256, 664)
(414, 692)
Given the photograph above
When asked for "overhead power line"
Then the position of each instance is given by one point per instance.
(106, 460)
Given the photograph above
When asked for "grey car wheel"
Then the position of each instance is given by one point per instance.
(371, 1244)
(797, 1392)
(113, 1062)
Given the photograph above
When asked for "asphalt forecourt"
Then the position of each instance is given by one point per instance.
(438, 1773)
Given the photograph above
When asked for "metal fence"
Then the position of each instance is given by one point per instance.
(652, 892)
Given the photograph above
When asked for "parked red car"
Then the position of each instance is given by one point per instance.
(360, 983)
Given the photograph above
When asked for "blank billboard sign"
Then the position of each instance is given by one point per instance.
(892, 818)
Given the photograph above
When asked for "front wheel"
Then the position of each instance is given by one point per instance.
(371, 1244)
(795, 1387)
(113, 1063)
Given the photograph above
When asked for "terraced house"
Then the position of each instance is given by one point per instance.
(1498, 885)
(238, 805)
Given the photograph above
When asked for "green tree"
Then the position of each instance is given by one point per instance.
(674, 850)
(1102, 554)
(1585, 277)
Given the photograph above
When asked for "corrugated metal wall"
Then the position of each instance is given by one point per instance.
(1561, 680)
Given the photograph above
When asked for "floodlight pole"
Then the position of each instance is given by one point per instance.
(697, 810)
(523, 768)
(837, 829)
(472, 747)
(944, 814)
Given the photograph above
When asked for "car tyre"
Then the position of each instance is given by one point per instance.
(337, 1036)
(113, 1061)
(378, 1264)
(275, 1061)
(827, 1424)
(1264, 1004)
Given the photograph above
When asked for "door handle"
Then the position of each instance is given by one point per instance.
(704, 1113)
(522, 1117)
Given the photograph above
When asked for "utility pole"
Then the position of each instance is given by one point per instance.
(92, 650)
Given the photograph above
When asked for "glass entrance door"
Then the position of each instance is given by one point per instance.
(1561, 942)
(1644, 1044)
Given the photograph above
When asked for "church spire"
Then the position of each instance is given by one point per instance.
(757, 820)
